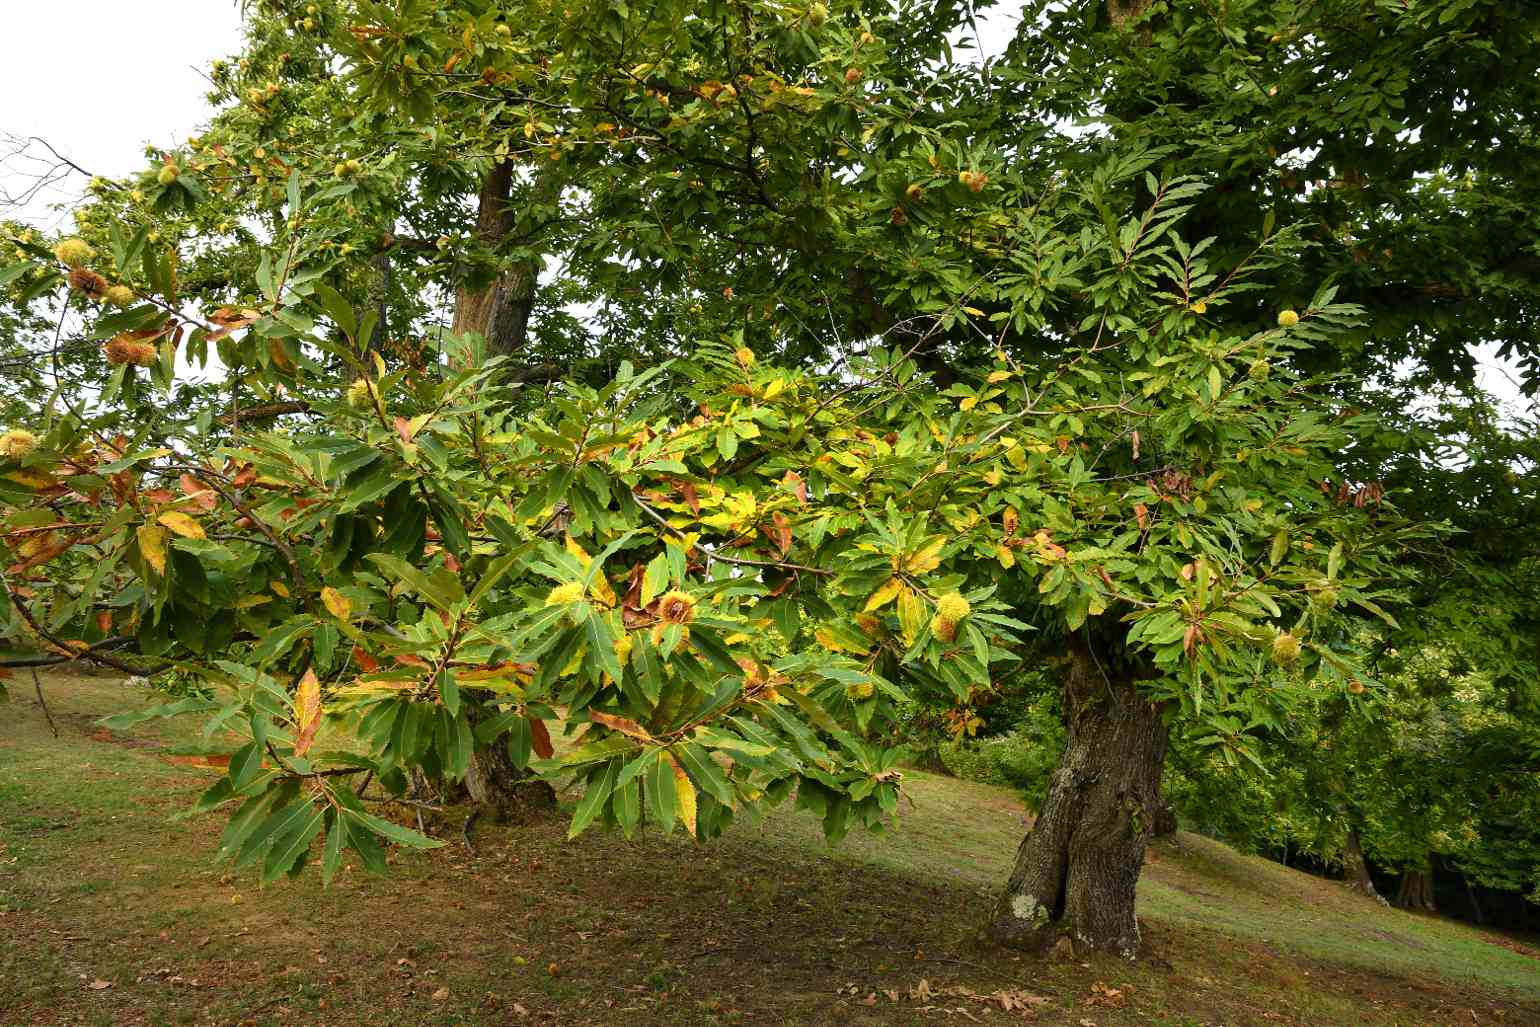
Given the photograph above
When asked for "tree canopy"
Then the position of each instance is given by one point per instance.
(719, 383)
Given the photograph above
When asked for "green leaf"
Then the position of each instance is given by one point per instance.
(703, 770)
(293, 844)
(600, 784)
(435, 591)
(336, 840)
(662, 793)
(389, 830)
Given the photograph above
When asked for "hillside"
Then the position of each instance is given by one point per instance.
(112, 910)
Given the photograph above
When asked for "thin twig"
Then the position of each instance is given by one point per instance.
(465, 832)
(37, 682)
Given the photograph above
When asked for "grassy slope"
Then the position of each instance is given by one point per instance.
(99, 883)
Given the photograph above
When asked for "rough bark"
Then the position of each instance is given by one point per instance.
(500, 311)
(1077, 869)
(493, 781)
(1355, 869)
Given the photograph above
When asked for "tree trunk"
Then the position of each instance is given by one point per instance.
(493, 781)
(1077, 869)
(1355, 869)
(1166, 823)
(1416, 891)
(500, 311)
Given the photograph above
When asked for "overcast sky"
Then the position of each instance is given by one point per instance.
(101, 79)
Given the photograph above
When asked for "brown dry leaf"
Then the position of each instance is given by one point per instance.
(230, 317)
(40, 557)
(794, 481)
(441, 994)
(1015, 999)
(624, 725)
(540, 738)
(99, 985)
(691, 497)
(208, 760)
(782, 533)
(199, 492)
(307, 712)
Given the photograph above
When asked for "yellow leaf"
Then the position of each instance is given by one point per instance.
(1006, 557)
(826, 637)
(884, 595)
(579, 552)
(307, 712)
(969, 403)
(927, 559)
(280, 588)
(602, 590)
(685, 791)
(152, 546)
(975, 311)
(182, 524)
(998, 376)
(775, 388)
(338, 604)
(279, 355)
(911, 614)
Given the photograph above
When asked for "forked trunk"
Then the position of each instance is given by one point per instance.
(1355, 868)
(1077, 869)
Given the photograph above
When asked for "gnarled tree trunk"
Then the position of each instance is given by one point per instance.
(1077, 869)
(493, 781)
(1355, 869)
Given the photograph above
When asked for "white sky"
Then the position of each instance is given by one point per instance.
(101, 79)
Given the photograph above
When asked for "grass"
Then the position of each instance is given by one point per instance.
(113, 911)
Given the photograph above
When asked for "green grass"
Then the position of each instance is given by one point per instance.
(102, 879)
